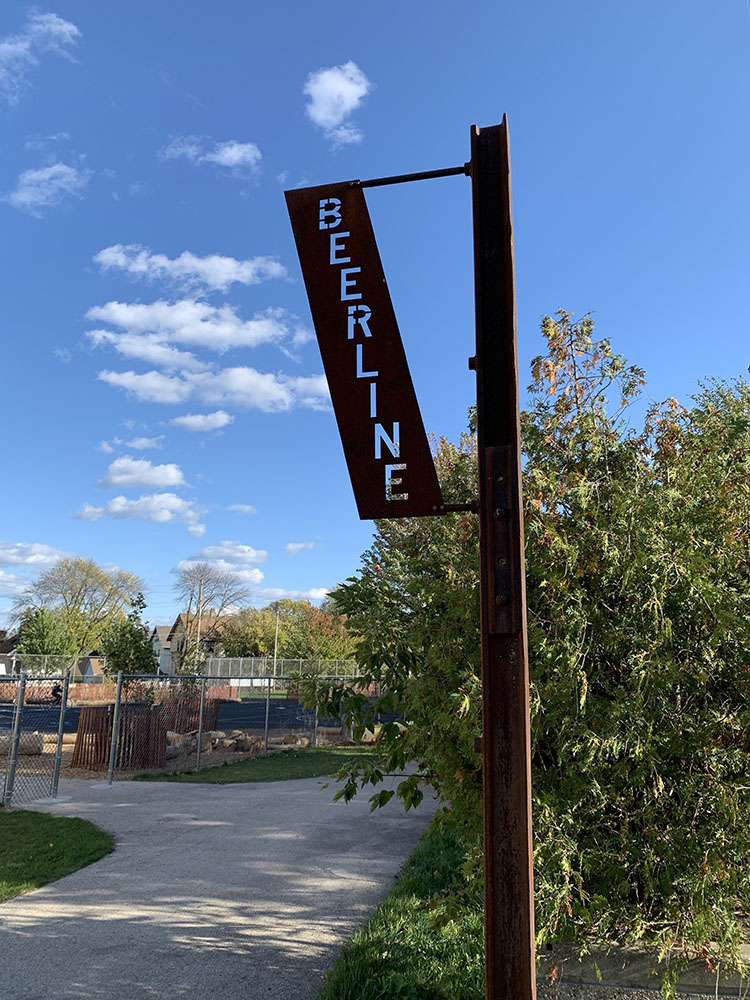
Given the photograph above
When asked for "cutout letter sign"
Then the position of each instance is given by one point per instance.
(386, 449)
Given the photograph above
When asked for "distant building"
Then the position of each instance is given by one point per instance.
(183, 632)
(162, 648)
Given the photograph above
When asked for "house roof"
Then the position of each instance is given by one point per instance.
(211, 625)
(8, 644)
(162, 633)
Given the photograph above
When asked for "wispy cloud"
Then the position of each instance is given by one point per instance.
(242, 159)
(334, 94)
(47, 187)
(203, 421)
(139, 472)
(240, 387)
(12, 585)
(212, 272)
(294, 548)
(149, 348)
(19, 53)
(242, 508)
(230, 557)
(160, 508)
(144, 443)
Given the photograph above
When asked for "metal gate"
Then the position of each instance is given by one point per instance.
(32, 717)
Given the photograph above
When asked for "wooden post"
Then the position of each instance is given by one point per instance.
(510, 972)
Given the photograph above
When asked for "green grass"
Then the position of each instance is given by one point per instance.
(36, 848)
(310, 762)
(407, 950)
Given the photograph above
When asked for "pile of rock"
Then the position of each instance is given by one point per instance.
(237, 741)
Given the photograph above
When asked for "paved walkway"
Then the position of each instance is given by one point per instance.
(213, 891)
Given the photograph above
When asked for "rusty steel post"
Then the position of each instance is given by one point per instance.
(510, 972)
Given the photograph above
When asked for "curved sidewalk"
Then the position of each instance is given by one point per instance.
(213, 890)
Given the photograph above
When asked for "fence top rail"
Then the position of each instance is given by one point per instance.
(162, 678)
(15, 678)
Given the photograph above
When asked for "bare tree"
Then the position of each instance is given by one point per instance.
(208, 595)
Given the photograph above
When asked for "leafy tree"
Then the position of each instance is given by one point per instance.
(126, 643)
(208, 595)
(43, 633)
(304, 632)
(251, 632)
(84, 596)
(637, 550)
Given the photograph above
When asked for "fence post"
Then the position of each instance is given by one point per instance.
(200, 725)
(315, 740)
(60, 731)
(15, 738)
(268, 708)
(115, 729)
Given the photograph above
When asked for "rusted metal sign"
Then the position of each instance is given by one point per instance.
(385, 445)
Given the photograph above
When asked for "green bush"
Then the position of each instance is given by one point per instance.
(637, 558)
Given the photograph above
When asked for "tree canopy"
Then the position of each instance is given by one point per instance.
(43, 633)
(84, 596)
(126, 643)
(304, 632)
(638, 563)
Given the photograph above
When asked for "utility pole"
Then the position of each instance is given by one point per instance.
(510, 968)
(276, 642)
(200, 612)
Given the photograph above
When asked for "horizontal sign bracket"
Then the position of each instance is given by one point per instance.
(425, 175)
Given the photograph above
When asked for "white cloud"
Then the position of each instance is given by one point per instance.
(241, 158)
(46, 187)
(105, 447)
(230, 557)
(33, 554)
(161, 508)
(143, 443)
(276, 593)
(203, 421)
(240, 387)
(63, 354)
(334, 93)
(198, 324)
(213, 272)
(234, 552)
(242, 508)
(43, 32)
(294, 548)
(139, 472)
(152, 387)
(147, 348)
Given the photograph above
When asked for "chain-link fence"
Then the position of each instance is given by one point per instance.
(267, 666)
(184, 723)
(32, 717)
(52, 726)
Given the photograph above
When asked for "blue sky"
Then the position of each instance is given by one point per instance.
(162, 393)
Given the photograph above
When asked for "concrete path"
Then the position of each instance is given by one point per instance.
(213, 891)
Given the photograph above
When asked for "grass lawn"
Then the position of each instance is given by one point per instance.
(405, 951)
(36, 848)
(310, 762)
